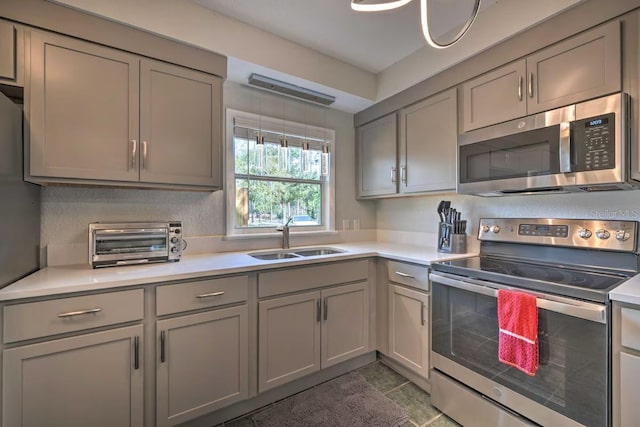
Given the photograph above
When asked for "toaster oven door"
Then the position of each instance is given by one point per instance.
(119, 246)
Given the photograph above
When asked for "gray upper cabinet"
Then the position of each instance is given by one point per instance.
(428, 133)
(11, 54)
(180, 119)
(377, 158)
(417, 158)
(83, 110)
(583, 67)
(102, 116)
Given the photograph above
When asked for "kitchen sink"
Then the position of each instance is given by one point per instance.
(319, 251)
(274, 255)
(293, 253)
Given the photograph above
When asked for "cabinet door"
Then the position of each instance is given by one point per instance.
(88, 380)
(180, 125)
(629, 397)
(428, 144)
(202, 363)
(345, 326)
(580, 68)
(11, 55)
(377, 164)
(409, 328)
(289, 339)
(495, 97)
(83, 110)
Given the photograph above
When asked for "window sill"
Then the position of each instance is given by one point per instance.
(249, 236)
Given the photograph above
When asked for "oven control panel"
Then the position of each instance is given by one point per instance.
(581, 233)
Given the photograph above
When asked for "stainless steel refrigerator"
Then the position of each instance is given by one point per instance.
(19, 201)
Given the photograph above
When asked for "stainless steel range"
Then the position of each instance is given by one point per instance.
(570, 266)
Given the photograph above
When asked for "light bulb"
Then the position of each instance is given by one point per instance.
(306, 157)
(259, 153)
(284, 155)
(324, 161)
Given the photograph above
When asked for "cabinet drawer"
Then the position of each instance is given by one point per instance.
(415, 276)
(630, 324)
(44, 318)
(304, 278)
(201, 294)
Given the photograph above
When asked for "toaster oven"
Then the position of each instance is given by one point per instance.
(131, 243)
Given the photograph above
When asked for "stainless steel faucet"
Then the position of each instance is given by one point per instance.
(285, 233)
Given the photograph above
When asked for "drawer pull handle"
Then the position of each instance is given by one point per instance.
(212, 294)
(80, 312)
(318, 311)
(399, 273)
(326, 308)
(422, 314)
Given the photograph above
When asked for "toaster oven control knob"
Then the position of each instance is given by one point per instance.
(622, 235)
(495, 229)
(174, 250)
(485, 228)
(585, 233)
(176, 231)
(174, 240)
(603, 234)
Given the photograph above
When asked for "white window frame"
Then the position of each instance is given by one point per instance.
(255, 121)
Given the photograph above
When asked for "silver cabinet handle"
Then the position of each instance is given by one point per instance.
(144, 154)
(134, 152)
(318, 311)
(400, 273)
(531, 85)
(212, 294)
(326, 308)
(422, 314)
(403, 174)
(80, 312)
(162, 345)
(393, 174)
(520, 88)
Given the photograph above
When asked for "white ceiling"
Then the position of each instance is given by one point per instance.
(371, 41)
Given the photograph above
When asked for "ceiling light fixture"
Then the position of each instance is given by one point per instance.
(379, 5)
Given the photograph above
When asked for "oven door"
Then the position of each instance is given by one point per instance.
(516, 156)
(129, 245)
(571, 386)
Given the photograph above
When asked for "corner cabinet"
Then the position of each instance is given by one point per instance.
(417, 158)
(102, 116)
(580, 68)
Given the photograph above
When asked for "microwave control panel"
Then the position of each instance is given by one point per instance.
(593, 143)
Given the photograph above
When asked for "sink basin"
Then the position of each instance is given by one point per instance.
(319, 251)
(274, 255)
(292, 253)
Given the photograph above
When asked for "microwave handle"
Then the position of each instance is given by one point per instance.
(565, 147)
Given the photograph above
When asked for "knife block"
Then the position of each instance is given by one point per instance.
(449, 242)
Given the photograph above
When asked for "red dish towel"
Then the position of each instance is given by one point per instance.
(518, 323)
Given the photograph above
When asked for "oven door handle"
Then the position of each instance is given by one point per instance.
(574, 308)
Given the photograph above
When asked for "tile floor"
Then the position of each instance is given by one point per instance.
(395, 387)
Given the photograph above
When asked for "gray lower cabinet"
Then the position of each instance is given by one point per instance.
(408, 316)
(409, 328)
(582, 67)
(303, 333)
(377, 158)
(99, 115)
(202, 363)
(417, 158)
(11, 54)
(94, 379)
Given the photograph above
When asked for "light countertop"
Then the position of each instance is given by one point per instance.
(628, 292)
(80, 278)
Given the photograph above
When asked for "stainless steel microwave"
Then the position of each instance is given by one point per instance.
(130, 243)
(581, 147)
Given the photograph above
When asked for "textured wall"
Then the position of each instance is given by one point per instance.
(66, 211)
(419, 213)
